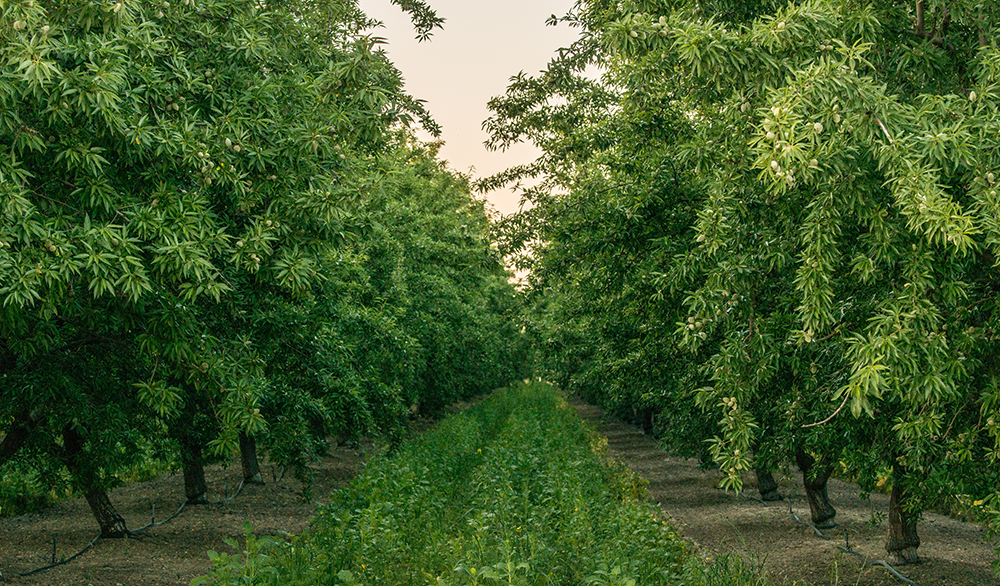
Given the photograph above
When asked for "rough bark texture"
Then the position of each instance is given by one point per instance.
(766, 486)
(814, 477)
(190, 433)
(248, 453)
(903, 541)
(112, 524)
(195, 487)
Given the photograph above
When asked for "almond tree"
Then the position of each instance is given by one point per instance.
(836, 272)
(159, 157)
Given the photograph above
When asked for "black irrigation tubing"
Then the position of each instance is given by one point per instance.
(152, 523)
(879, 563)
(809, 525)
(847, 549)
(235, 494)
(61, 562)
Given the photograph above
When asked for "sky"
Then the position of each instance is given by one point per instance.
(484, 43)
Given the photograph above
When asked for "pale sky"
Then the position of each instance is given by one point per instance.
(483, 44)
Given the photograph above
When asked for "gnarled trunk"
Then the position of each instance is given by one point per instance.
(766, 486)
(112, 524)
(815, 476)
(902, 541)
(248, 453)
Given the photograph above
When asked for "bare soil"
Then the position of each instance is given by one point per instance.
(175, 552)
(720, 522)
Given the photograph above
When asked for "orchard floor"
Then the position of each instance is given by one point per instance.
(719, 522)
(172, 553)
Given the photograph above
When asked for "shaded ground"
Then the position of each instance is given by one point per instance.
(719, 522)
(172, 553)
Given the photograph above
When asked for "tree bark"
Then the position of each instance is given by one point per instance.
(766, 486)
(248, 453)
(815, 477)
(195, 488)
(189, 431)
(112, 524)
(902, 541)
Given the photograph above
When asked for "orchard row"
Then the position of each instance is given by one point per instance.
(218, 237)
(770, 230)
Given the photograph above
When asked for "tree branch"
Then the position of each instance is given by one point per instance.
(846, 397)
(920, 20)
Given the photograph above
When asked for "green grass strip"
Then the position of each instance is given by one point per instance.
(515, 490)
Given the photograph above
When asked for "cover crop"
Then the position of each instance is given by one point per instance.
(515, 490)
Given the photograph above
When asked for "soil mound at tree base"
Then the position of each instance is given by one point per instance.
(720, 522)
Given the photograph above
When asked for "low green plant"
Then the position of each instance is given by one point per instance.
(21, 491)
(515, 490)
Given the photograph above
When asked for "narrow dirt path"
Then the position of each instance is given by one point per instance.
(720, 522)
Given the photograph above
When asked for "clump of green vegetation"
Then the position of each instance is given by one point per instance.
(514, 490)
(22, 491)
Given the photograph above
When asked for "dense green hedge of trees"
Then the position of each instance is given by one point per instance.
(770, 229)
(218, 236)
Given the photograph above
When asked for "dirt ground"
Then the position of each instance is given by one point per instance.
(719, 522)
(172, 553)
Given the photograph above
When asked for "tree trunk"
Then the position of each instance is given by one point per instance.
(766, 486)
(903, 541)
(814, 477)
(248, 453)
(112, 524)
(189, 431)
(195, 488)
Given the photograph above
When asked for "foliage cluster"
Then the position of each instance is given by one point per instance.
(514, 490)
(769, 231)
(216, 230)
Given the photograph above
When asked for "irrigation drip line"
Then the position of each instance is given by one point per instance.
(809, 525)
(847, 549)
(235, 494)
(879, 563)
(61, 562)
(152, 523)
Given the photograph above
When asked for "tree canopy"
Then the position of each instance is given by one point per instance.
(772, 225)
(216, 227)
